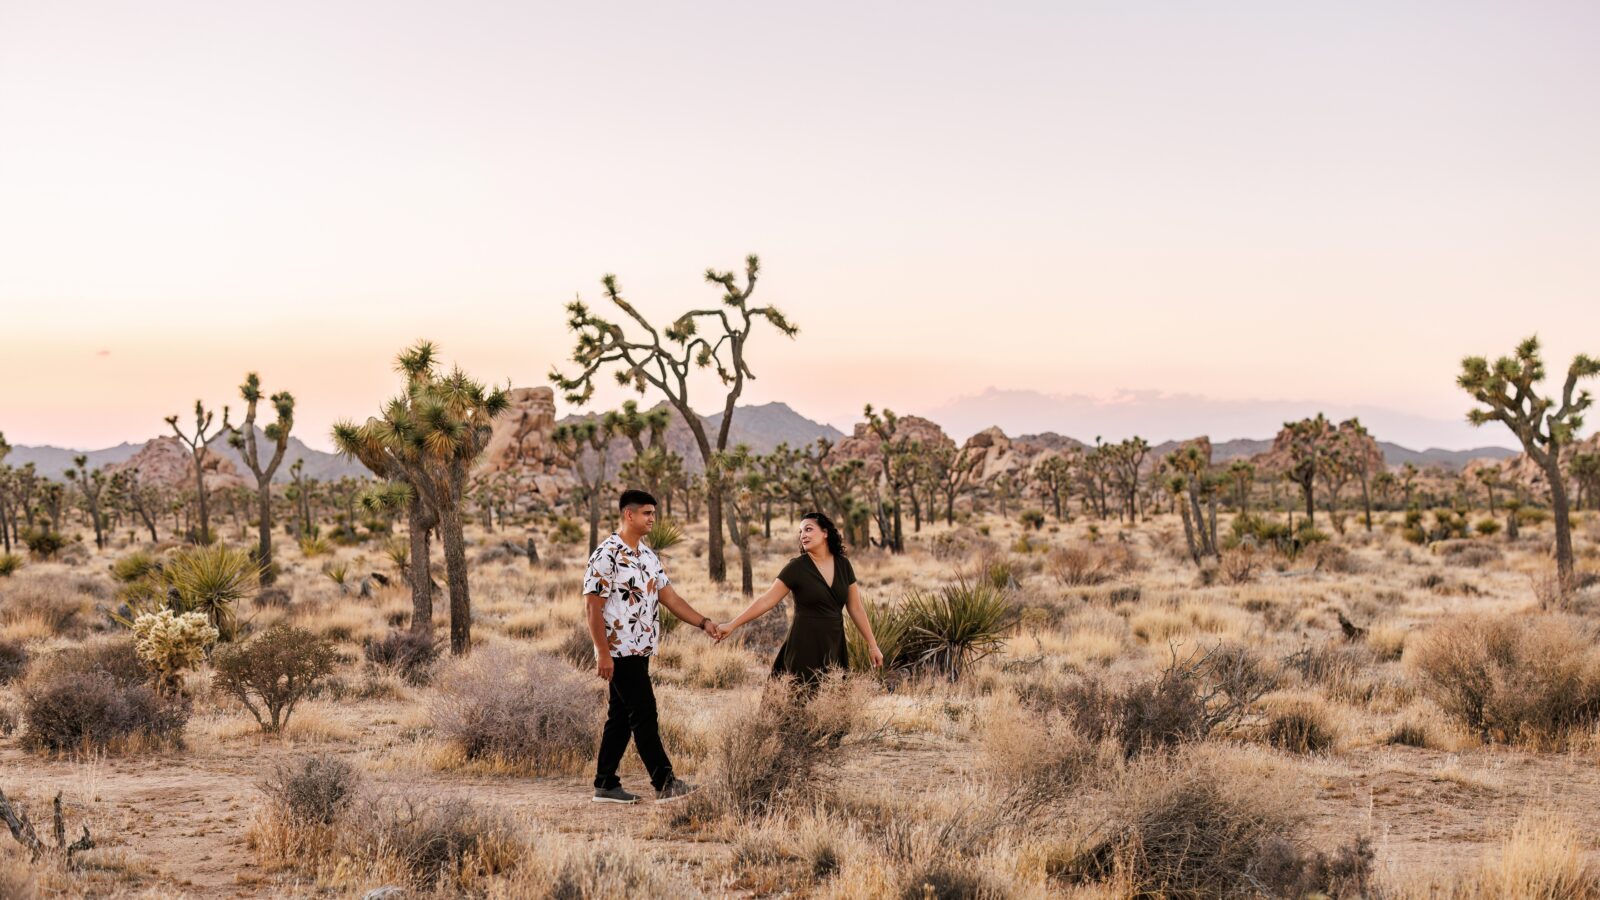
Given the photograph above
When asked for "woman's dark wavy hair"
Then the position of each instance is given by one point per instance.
(835, 541)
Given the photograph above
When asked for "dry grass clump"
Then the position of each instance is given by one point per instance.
(1543, 858)
(1534, 680)
(1299, 723)
(13, 659)
(87, 711)
(529, 711)
(312, 790)
(767, 756)
(44, 605)
(1199, 826)
(408, 654)
(1039, 752)
(1085, 565)
(716, 667)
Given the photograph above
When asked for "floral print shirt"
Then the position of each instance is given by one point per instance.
(631, 582)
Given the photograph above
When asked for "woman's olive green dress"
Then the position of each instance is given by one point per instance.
(816, 640)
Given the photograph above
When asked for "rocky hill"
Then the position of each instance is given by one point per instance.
(53, 462)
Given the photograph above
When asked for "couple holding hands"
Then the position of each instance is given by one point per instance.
(624, 587)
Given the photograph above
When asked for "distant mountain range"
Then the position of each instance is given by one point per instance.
(762, 426)
(53, 462)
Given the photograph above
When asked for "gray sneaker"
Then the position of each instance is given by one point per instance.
(614, 795)
(676, 789)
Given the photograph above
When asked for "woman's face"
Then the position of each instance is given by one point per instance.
(812, 537)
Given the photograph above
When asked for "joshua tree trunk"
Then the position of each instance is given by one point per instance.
(1559, 507)
(1188, 533)
(202, 536)
(421, 521)
(736, 533)
(1366, 501)
(455, 568)
(1308, 490)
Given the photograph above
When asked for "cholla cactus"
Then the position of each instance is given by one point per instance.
(172, 643)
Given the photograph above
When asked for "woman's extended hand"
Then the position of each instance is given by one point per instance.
(725, 629)
(876, 656)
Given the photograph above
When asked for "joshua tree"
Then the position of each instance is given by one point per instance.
(1307, 450)
(832, 484)
(429, 436)
(1489, 477)
(1408, 479)
(585, 444)
(1509, 395)
(1192, 481)
(143, 500)
(1094, 473)
(1586, 472)
(1053, 475)
(198, 444)
(1125, 459)
(740, 472)
(897, 456)
(91, 485)
(952, 470)
(664, 360)
(244, 440)
(1243, 475)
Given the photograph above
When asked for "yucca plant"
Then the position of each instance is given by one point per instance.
(315, 546)
(889, 628)
(398, 551)
(9, 563)
(211, 580)
(337, 572)
(950, 629)
(663, 535)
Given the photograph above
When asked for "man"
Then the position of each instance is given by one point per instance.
(623, 588)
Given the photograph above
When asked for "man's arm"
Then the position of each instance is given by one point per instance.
(594, 609)
(681, 608)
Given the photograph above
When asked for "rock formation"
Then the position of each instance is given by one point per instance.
(165, 463)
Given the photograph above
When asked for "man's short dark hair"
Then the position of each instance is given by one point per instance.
(635, 498)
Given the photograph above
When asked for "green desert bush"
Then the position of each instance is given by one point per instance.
(526, 709)
(948, 630)
(209, 579)
(889, 628)
(9, 564)
(1511, 678)
(42, 542)
(273, 672)
(134, 566)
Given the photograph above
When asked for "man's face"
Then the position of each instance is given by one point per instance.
(640, 518)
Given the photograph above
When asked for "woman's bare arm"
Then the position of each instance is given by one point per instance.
(858, 614)
(761, 605)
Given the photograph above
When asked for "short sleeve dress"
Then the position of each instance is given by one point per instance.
(816, 639)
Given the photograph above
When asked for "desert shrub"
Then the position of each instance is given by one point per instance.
(1239, 565)
(112, 656)
(13, 659)
(170, 645)
(889, 628)
(9, 564)
(274, 671)
(950, 629)
(664, 535)
(716, 668)
(1090, 564)
(578, 647)
(55, 602)
(567, 531)
(770, 755)
(1299, 724)
(1328, 557)
(92, 710)
(313, 546)
(312, 790)
(409, 654)
(8, 724)
(443, 844)
(518, 707)
(1543, 858)
(959, 544)
(1192, 828)
(42, 542)
(133, 567)
(211, 580)
(1533, 679)
(1032, 518)
(1025, 751)
(1469, 553)
(1487, 527)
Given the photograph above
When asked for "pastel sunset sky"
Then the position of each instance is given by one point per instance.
(1098, 218)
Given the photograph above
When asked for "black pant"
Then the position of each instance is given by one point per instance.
(632, 712)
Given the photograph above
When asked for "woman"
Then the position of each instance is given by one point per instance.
(824, 586)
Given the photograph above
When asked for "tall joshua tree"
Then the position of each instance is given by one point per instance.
(1306, 449)
(244, 440)
(745, 483)
(586, 445)
(198, 444)
(1509, 394)
(664, 359)
(1053, 475)
(428, 437)
(92, 484)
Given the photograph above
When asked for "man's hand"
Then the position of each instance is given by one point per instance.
(604, 665)
(711, 630)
